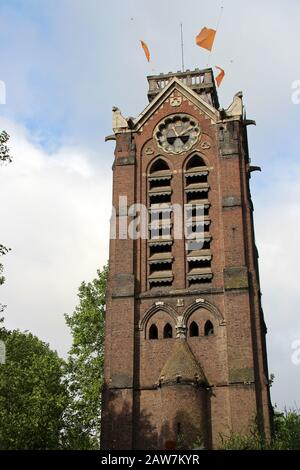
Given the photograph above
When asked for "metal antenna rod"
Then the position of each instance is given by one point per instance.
(182, 50)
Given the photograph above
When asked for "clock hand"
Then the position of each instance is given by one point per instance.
(175, 131)
(185, 131)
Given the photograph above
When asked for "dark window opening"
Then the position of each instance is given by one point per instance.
(195, 283)
(158, 249)
(194, 329)
(153, 332)
(158, 285)
(159, 183)
(158, 166)
(199, 263)
(197, 196)
(206, 245)
(168, 331)
(158, 267)
(209, 328)
(160, 198)
(195, 162)
(194, 179)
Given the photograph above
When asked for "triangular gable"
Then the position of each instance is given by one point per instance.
(187, 92)
(181, 363)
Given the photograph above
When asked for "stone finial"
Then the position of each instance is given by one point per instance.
(119, 123)
(236, 107)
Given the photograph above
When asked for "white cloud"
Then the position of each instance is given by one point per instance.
(54, 215)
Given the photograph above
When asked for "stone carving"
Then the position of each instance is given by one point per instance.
(175, 101)
(236, 108)
(205, 145)
(180, 327)
(119, 123)
(149, 151)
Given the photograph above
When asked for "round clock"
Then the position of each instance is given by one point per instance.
(177, 133)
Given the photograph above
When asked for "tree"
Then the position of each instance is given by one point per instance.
(4, 150)
(4, 157)
(32, 394)
(286, 435)
(287, 430)
(85, 366)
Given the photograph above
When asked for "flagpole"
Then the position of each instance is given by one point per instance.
(182, 48)
(217, 27)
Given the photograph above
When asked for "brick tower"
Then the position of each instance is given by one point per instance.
(185, 351)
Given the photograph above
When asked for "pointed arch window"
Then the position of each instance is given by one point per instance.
(159, 166)
(194, 329)
(153, 332)
(208, 328)
(168, 331)
(198, 221)
(160, 260)
(195, 162)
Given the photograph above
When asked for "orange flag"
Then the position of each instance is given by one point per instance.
(220, 76)
(146, 50)
(206, 38)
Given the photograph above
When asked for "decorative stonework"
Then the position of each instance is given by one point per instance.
(180, 327)
(175, 101)
(149, 151)
(119, 123)
(205, 145)
(177, 133)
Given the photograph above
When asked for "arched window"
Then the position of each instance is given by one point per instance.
(194, 329)
(153, 332)
(209, 328)
(160, 260)
(168, 331)
(195, 162)
(158, 166)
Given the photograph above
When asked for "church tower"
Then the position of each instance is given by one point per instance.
(185, 351)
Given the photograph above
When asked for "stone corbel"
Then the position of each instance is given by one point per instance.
(180, 327)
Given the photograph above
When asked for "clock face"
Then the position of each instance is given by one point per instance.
(177, 134)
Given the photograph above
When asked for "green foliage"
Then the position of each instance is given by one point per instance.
(4, 157)
(286, 435)
(3, 251)
(4, 150)
(287, 430)
(32, 395)
(85, 366)
(252, 441)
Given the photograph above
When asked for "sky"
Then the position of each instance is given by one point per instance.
(65, 64)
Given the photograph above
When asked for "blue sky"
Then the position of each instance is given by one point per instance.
(65, 63)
